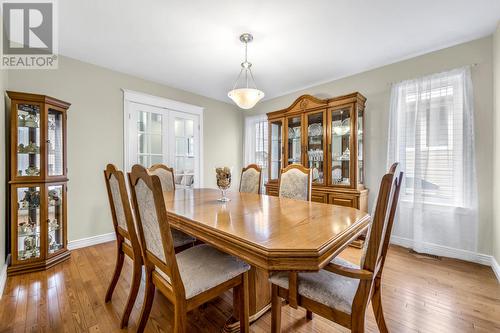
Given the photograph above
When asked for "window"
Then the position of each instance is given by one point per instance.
(431, 128)
(256, 143)
(431, 135)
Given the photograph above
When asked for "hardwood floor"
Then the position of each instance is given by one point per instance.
(419, 295)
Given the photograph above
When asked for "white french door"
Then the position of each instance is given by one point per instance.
(160, 135)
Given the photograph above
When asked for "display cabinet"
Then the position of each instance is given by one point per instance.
(38, 181)
(325, 135)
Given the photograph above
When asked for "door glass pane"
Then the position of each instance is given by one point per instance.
(294, 140)
(184, 152)
(315, 144)
(55, 218)
(28, 140)
(361, 161)
(156, 145)
(150, 134)
(28, 222)
(55, 143)
(341, 131)
(276, 128)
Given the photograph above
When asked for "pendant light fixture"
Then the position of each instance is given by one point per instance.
(248, 95)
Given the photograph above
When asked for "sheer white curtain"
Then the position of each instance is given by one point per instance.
(431, 133)
(256, 143)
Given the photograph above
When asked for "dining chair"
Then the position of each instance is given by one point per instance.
(250, 179)
(342, 290)
(181, 240)
(126, 237)
(187, 279)
(295, 182)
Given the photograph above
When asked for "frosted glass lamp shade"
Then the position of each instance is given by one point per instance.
(246, 98)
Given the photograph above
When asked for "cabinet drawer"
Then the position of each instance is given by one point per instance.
(343, 200)
(319, 197)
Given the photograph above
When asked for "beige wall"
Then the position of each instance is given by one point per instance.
(375, 85)
(95, 132)
(496, 183)
(3, 86)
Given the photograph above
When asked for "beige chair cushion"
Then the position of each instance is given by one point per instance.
(324, 287)
(203, 267)
(250, 181)
(117, 202)
(181, 238)
(294, 185)
(166, 179)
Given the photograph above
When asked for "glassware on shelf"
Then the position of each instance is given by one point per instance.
(276, 148)
(55, 143)
(28, 140)
(55, 215)
(346, 156)
(340, 145)
(294, 140)
(28, 222)
(223, 176)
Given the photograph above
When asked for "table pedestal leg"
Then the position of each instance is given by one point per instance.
(260, 299)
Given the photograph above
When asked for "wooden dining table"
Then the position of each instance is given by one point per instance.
(267, 232)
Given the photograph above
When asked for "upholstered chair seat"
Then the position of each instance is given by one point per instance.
(250, 179)
(181, 239)
(333, 290)
(203, 267)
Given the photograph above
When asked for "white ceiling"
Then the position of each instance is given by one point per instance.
(193, 45)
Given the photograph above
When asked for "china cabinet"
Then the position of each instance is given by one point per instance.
(325, 135)
(38, 181)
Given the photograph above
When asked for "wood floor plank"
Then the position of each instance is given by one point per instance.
(419, 295)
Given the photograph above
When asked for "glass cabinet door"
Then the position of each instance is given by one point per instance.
(276, 148)
(315, 146)
(28, 140)
(361, 171)
(294, 140)
(28, 222)
(55, 148)
(340, 146)
(55, 218)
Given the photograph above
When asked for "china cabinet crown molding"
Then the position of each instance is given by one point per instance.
(37, 166)
(333, 152)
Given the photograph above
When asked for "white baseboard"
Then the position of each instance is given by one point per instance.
(495, 267)
(445, 251)
(3, 277)
(89, 241)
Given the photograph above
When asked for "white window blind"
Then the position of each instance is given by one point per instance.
(256, 143)
(431, 135)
